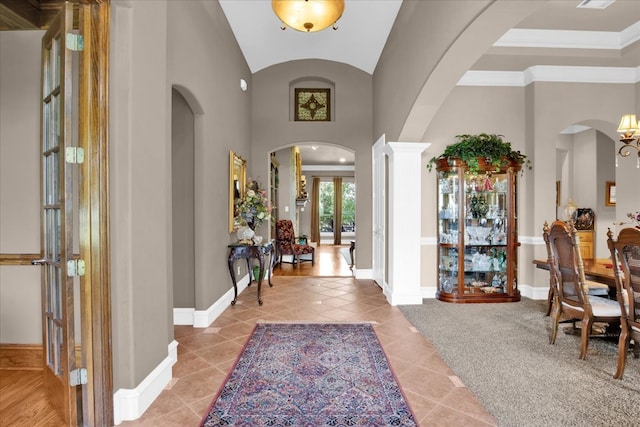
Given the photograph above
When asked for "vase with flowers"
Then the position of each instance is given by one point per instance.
(252, 210)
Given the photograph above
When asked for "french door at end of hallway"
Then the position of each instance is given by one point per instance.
(59, 182)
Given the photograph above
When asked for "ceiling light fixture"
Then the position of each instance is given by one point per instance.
(630, 134)
(308, 15)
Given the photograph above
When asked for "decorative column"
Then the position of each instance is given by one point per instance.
(404, 203)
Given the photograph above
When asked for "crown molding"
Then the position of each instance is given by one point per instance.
(551, 73)
(570, 39)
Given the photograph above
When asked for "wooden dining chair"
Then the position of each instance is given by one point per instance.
(594, 288)
(625, 257)
(571, 297)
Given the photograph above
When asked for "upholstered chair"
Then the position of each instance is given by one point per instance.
(286, 244)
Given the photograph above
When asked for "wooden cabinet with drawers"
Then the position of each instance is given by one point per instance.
(585, 243)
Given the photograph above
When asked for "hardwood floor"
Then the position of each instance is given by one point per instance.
(23, 401)
(329, 263)
(22, 397)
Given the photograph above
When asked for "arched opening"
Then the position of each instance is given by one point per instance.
(328, 166)
(182, 201)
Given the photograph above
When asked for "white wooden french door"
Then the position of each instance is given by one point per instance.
(379, 212)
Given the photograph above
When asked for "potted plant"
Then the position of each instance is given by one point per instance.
(488, 148)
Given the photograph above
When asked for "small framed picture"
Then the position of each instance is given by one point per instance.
(610, 194)
(313, 105)
(558, 193)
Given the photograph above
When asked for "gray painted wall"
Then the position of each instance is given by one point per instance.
(157, 46)
(195, 52)
(183, 201)
(20, 321)
(350, 127)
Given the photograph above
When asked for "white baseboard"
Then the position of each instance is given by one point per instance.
(534, 292)
(204, 318)
(183, 316)
(429, 292)
(130, 404)
(361, 273)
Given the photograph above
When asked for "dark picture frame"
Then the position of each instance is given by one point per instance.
(312, 105)
(610, 193)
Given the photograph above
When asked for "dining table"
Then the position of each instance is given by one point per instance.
(598, 270)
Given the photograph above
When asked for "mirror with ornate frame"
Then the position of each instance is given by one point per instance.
(237, 184)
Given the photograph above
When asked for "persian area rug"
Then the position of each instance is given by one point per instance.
(312, 374)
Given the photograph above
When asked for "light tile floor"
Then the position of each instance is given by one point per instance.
(206, 355)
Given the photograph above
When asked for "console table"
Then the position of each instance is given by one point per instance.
(249, 252)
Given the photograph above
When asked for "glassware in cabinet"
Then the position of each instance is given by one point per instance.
(477, 233)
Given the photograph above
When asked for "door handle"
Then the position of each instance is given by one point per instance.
(40, 261)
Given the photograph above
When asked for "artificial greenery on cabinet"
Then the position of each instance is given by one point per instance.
(471, 149)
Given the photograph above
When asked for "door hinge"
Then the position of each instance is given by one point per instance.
(74, 155)
(75, 42)
(75, 267)
(78, 376)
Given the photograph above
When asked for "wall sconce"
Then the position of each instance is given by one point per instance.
(630, 136)
(308, 15)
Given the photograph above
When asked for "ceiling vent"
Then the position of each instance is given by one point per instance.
(595, 4)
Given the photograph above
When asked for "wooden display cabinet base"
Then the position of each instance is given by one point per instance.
(476, 298)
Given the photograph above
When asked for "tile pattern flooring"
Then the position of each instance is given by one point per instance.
(205, 355)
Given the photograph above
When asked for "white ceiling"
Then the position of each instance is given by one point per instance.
(559, 35)
(358, 41)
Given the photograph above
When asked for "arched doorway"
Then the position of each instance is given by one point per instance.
(323, 165)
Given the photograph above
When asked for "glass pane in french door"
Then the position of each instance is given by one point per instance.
(57, 216)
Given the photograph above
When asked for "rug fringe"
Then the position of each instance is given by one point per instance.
(315, 322)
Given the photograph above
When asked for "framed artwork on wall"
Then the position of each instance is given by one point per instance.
(237, 185)
(610, 194)
(312, 105)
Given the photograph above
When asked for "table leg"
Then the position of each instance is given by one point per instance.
(233, 279)
(261, 259)
(351, 249)
(272, 254)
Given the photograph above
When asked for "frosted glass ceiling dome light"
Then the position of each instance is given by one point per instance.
(308, 15)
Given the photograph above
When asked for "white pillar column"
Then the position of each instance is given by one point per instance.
(404, 231)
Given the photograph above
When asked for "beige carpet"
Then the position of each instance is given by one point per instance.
(502, 353)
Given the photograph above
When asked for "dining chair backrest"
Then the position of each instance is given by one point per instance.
(571, 296)
(565, 264)
(625, 258)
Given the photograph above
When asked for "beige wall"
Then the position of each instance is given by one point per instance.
(532, 119)
(350, 127)
(431, 46)
(158, 46)
(20, 320)
(182, 191)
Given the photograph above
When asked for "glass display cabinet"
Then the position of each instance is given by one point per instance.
(477, 232)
